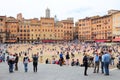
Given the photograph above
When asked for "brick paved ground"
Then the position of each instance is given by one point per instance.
(55, 72)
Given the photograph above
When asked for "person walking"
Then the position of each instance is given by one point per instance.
(25, 62)
(35, 62)
(85, 63)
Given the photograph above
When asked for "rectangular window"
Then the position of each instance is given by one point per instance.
(20, 34)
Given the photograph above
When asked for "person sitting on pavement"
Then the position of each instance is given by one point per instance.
(53, 61)
(77, 63)
(47, 61)
(73, 62)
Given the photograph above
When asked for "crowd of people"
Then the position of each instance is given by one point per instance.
(96, 55)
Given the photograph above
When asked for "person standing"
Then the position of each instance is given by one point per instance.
(0, 57)
(67, 58)
(112, 60)
(35, 62)
(25, 62)
(118, 64)
(85, 63)
(11, 62)
(96, 63)
(61, 56)
(16, 61)
(106, 60)
(3, 57)
(61, 59)
(102, 63)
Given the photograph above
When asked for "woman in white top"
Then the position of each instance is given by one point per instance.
(11, 62)
(25, 62)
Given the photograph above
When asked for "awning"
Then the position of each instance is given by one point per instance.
(116, 39)
(48, 41)
(101, 40)
(10, 41)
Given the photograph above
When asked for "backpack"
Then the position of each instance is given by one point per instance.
(26, 60)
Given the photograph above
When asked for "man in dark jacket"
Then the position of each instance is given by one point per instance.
(16, 62)
(85, 63)
(35, 62)
(67, 58)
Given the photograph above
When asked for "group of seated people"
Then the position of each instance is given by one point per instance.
(75, 63)
(59, 62)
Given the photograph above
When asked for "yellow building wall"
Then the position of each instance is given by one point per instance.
(84, 29)
(116, 23)
(102, 27)
(2, 29)
(12, 27)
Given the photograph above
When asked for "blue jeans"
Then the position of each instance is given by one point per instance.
(102, 67)
(26, 67)
(10, 67)
(106, 66)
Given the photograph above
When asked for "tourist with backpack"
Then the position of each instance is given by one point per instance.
(11, 62)
(25, 62)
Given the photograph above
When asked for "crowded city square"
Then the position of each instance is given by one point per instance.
(53, 57)
(60, 40)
